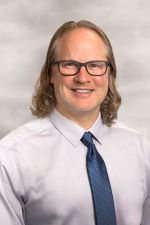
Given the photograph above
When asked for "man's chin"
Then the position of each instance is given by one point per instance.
(86, 110)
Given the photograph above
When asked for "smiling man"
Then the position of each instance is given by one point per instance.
(79, 96)
(74, 164)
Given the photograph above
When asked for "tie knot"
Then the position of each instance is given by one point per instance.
(87, 139)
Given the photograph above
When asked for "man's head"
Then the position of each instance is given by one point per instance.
(85, 91)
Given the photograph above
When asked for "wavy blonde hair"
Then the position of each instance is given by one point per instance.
(44, 99)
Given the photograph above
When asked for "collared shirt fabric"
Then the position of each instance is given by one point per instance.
(43, 175)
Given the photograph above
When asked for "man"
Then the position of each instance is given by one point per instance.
(51, 173)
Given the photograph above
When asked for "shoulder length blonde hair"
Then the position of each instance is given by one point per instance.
(44, 99)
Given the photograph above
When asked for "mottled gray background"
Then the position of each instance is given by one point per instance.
(25, 30)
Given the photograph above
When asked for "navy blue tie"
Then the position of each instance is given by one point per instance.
(100, 185)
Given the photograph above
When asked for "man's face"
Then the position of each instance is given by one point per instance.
(81, 93)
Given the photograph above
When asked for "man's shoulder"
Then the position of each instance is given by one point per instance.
(27, 130)
(125, 132)
(124, 128)
(120, 136)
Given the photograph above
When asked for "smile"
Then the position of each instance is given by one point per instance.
(83, 90)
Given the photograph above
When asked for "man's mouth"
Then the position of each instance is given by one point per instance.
(82, 90)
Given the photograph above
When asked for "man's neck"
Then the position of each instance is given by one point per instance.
(83, 119)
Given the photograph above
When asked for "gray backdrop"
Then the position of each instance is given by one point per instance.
(26, 28)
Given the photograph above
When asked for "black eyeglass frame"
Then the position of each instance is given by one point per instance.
(80, 65)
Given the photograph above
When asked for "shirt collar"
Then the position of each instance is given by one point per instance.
(72, 131)
(97, 129)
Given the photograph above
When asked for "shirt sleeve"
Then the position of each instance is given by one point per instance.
(146, 204)
(146, 211)
(11, 205)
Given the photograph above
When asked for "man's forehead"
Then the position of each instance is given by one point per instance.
(80, 38)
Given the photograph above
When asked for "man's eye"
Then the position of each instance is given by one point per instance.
(69, 64)
(99, 65)
(93, 65)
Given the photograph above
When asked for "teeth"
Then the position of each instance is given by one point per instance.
(83, 91)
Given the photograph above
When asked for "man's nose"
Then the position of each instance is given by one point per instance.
(82, 75)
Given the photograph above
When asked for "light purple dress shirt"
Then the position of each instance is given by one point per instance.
(43, 176)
